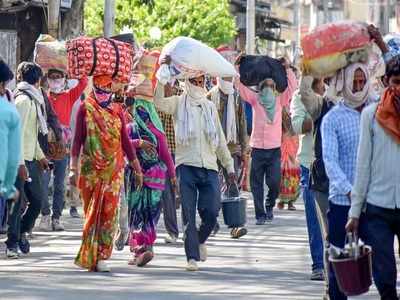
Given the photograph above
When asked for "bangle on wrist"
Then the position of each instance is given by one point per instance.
(140, 143)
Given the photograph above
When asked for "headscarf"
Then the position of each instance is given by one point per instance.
(196, 96)
(151, 111)
(388, 116)
(103, 81)
(343, 81)
(227, 88)
(101, 86)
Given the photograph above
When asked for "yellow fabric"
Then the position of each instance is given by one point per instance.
(29, 129)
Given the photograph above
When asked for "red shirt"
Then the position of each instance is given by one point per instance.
(62, 103)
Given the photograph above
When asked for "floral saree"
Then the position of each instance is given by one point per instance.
(145, 203)
(100, 181)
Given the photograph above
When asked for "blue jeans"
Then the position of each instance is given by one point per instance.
(60, 168)
(314, 231)
(199, 188)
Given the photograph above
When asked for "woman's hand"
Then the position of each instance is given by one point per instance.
(138, 180)
(148, 147)
(174, 184)
(73, 177)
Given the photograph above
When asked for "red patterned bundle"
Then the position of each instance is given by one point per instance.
(100, 56)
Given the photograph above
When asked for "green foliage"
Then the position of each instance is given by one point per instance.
(206, 20)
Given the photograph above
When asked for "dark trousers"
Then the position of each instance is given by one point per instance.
(59, 171)
(337, 219)
(19, 222)
(169, 209)
(383, 225)
(199, 188)
(265, 166)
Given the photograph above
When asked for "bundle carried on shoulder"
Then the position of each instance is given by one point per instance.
(100, 56)
(254, 69)
(333, 46)
(50, 53)
(143, 77)
(228, 53)
(191, 58)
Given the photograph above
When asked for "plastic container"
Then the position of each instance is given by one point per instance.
(234, 211)
(354, 274)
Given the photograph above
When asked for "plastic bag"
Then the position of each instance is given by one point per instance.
(50, 53)
(191, 58)
(330, 47)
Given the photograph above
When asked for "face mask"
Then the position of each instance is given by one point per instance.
(194, 91)
(226, 87)
(268, 101)
(56, 86)
(102, 97)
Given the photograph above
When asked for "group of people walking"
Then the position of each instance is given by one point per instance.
(131, 158)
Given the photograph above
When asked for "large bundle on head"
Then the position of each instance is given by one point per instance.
(99, 56)
(333, 46)
(228, 53)
(254, 69)
(50, 53)
(143, 77)
(191, 58)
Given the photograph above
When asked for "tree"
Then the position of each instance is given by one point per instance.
(206, 20)
(72, 21)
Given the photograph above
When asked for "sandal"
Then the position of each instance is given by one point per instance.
(144, 258)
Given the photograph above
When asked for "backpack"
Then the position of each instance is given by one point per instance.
(318, 179)
(51, 144)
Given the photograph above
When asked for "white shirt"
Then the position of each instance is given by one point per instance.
(377, 179)
(198, 152)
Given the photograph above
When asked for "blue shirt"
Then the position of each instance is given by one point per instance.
(10, 146)
(340, 137)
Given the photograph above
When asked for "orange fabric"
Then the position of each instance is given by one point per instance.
(100, 181)
(102, 81)
(388, 116)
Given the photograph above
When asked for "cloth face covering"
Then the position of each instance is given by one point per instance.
(56, 86)
(388, 115)
(227, 88)
(102, 97)
(268, 101)
(196, 96)
(343, 83)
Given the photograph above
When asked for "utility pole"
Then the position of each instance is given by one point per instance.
(297, 28)
(325, 4)
(53, 9)
(250, 26)
(109, 18)
(386, 8)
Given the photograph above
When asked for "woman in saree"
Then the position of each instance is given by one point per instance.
(101, 135)
(156, 163)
